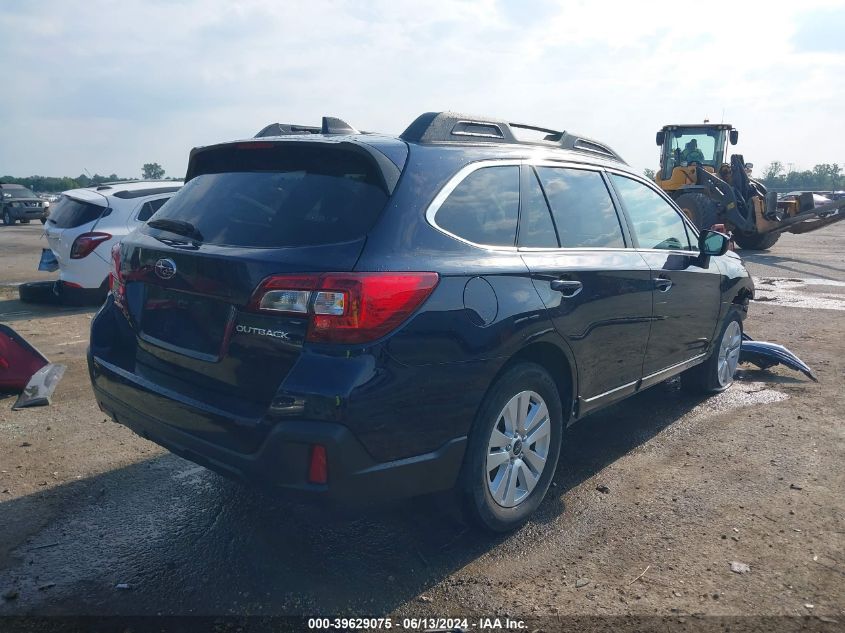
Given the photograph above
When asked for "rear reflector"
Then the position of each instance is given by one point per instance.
(85, 244)
(346, 307)
(318, 469)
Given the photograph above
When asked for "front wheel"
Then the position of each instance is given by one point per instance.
(8, 220)
(757, 242)
(717, 372)
(513, 449)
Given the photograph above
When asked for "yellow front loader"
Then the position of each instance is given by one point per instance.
(710, 189)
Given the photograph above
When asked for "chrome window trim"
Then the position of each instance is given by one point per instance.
(466, 170)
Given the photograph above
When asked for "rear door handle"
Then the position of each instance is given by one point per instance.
(567, 287)
(663, 284)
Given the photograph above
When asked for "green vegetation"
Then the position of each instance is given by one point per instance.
(152, 171)
(823, 177)
(51, 184)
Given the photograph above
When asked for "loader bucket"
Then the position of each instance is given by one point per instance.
(765, 355)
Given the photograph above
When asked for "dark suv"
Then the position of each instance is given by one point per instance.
(19, 203)
(359, 317)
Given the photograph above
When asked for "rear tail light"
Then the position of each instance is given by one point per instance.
(85, 244)
(346, 307)
(116, 285)
(318, 466)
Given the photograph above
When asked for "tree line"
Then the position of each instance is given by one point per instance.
(774, 176)
(52, 184)
(822, 177)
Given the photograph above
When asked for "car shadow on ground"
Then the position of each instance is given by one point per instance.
(776, 261)
(13, 309)
(188, 541)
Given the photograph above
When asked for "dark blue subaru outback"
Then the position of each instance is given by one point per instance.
(360, 317)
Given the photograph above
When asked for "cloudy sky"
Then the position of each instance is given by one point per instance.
(107, 86)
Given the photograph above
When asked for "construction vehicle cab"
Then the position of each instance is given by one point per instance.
(685, 145)
(712, 189)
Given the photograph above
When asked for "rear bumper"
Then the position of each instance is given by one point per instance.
(281, 461)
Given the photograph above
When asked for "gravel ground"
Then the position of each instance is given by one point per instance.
(654, 500)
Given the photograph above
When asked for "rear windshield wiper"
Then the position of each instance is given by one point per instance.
(179, 227)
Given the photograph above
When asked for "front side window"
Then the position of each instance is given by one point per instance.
(582, 208)
(656, 223)
(484, 207)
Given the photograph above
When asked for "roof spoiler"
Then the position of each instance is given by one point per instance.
(452, 127)
(330, 125)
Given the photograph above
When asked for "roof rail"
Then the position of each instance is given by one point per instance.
(330, 125)
(452, 127)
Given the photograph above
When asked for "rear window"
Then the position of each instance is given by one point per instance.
(69, 213)
(276, 196)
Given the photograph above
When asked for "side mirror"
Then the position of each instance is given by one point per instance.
(734, 137)
(713, 243)
(661, 136)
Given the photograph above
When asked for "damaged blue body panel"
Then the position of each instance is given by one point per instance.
(765, 355)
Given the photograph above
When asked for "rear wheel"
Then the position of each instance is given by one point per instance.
(513, 449)
(717, 372)
(757, 242)
(701, 210)
(39, 292)
(8, 220)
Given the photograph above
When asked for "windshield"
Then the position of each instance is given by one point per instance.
(685, 145)
(18, 192)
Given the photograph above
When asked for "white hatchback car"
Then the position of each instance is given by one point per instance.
(85, 223)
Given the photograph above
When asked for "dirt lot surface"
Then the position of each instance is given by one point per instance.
(753, 476)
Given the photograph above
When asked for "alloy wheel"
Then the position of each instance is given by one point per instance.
(729, 353)
(518, 449)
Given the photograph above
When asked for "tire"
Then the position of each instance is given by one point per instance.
(757, 242)
(39, 292)
(8, 220)
(504, 480)
(717, 373)
(43, 220)
(701, 210)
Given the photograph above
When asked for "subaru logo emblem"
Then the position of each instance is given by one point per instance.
(165, 268)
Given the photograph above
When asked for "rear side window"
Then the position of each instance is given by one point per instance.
(277, 195)
(484, 207)
(582, 208)
(68, 213)
(656, 223)
(536, 229)
(150, 207)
